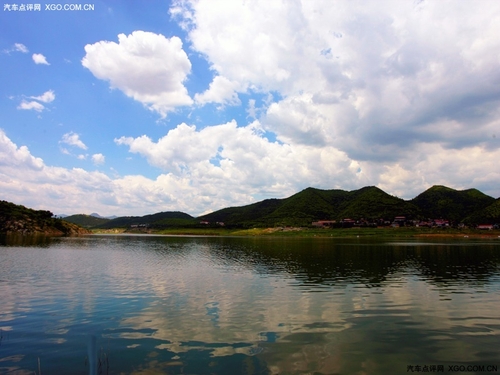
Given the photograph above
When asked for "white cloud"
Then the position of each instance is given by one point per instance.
(26, 180)
(238, 164)
(373, 80)
(20, 48)
(14, 157)
(232, 166)
(46, 97)
(225, 160)
(147, 67)
(358, 93)
(38, 58)
(222, 91)
(35, 106)
(472, 166)
(251, 110)
(98, 159)
(73, 139)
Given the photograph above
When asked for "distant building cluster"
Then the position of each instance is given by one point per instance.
(219, 223)
(398, 221)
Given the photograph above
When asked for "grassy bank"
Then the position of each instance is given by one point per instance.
(386, 232)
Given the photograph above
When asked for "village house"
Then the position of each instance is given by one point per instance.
(323, 223)
(485, 226)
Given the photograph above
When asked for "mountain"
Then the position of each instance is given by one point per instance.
(86, 221)
(240, 215)
(158, 220)
(373, 203)
(315, 204)
(19, 219)
(95, 214)
(455, 205)
(370, 203)
(487, 215)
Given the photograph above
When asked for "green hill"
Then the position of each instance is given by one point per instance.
(159, 220)
(315, 204)
(373, 203)
(487, 215)
(301, 209)
(455, 205)
(86, 221)
(243, 215)
(20, 219)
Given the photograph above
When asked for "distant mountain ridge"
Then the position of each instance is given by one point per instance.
(469, 206)
(158, 220)
(86, 221)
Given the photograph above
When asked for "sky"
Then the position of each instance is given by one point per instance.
(132, 108)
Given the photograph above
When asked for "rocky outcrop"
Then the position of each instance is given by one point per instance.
(30, 226)
(22, 220)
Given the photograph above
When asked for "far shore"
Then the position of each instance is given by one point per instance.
(381, 232)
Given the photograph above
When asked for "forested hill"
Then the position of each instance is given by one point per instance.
(314, 204)
(455, 205)
(86, 221)
(370, 203)
(159, 220)
(19, 219)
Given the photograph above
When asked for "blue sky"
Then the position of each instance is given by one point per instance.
(132, 108)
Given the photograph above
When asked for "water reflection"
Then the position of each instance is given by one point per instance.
(16, 239)
(248, 306)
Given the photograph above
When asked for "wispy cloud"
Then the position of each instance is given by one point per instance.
(20, 48)
(46, 97)
(17, 47)
(73, 139)
(35, 106)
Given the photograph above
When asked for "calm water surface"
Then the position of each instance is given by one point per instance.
(194, 305)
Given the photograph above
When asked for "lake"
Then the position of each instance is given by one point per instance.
(231, 305)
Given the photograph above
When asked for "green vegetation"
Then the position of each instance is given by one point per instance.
(487, 215)
(19, 219)
(159, 220)
(454, 205)
(367, 208)
(86, 221)
(355, 232)
(301, 209)
(370, 205)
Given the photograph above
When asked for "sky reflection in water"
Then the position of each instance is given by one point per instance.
(247, 305)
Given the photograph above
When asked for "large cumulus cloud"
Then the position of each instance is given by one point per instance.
(377, 81)
(147, 67)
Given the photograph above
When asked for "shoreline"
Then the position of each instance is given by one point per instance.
(298, 232)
